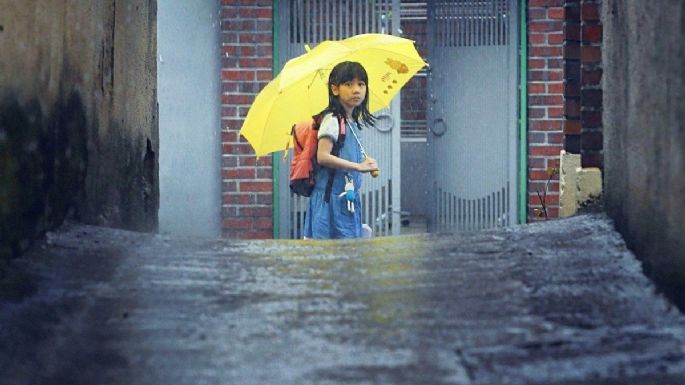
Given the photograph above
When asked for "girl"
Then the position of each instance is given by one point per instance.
(348, 99)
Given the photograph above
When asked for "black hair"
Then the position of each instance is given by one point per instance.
(345, 72)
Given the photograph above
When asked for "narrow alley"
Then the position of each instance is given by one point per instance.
(559, 302)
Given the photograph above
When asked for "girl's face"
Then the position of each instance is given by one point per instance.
(351, 93)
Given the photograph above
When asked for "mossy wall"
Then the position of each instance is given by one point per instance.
(78, 116)
(644, 133)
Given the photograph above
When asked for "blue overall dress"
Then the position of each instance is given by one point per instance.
(333, 220)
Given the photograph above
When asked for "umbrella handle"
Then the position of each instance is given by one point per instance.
(374, 173)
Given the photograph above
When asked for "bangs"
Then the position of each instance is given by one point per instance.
(347, 71)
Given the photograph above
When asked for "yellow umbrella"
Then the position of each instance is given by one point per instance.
(300, 90)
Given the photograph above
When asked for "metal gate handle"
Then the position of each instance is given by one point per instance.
(384, 117)
(439, 127)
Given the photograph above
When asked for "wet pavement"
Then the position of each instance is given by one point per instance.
(561, 302)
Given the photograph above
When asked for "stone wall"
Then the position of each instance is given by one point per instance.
(78, 116)
(644, 136)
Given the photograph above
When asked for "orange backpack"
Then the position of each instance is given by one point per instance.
(303, 166)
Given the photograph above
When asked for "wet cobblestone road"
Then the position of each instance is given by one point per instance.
(560, 302)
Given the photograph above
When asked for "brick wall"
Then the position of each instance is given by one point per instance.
(247, 191)
(591, 141)
(564, 92)
(547, 105)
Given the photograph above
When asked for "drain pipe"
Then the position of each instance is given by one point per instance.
(523, 114)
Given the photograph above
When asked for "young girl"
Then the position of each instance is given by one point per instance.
(348, 99)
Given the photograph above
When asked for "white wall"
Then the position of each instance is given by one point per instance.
(188, 78)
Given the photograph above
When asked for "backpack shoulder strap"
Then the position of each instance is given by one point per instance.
(336, 150)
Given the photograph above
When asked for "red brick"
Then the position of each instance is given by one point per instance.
(555, 138)
(591, 119)
(544, 150)
(591, 98)
(238, 75)
(550, 199)
(555, 88)
(536, 88)
(548, 75)
(534, 185)
(256, 211)
(541, 175)
(230, 123)
(572, 32)
(591, 55)
(545, 3)
(240, 199)
(591, 77)
(591, 159)
(536, 163)
(556, 38)
(536, 113)
(255, 63)
(572, 126)
(261, 223)
(591, 141)
(237, 99)
(229, 186)
(230, 50)
(536, 13)
(571, 89)
(236, 148)
(556, 13)
(590, 12)
(537, 137)
(238, 173)
(572, 108)
(592, 33)
(237, 223)
(256, 186)
(537, 39)
(264, 199)
(545, 51)
(264, 173)
(536, 64)
(229, 86)
(555, 112)
(264, 75)
(251, 161)
(229, 136)
(547, 125)
(229, 13)
(555, 63)
(544, 100)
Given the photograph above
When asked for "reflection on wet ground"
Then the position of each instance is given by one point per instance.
(560, 302)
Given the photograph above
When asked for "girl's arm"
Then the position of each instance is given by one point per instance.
(326, 159)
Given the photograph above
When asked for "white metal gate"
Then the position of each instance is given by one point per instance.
(472, 116)
(310, 22)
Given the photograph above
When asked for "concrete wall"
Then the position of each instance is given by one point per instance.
(644, 117)
(78, 120)
(189, 81)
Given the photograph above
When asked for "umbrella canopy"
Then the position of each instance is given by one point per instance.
(300, 90)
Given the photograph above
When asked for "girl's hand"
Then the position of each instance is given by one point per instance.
(368, 165)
